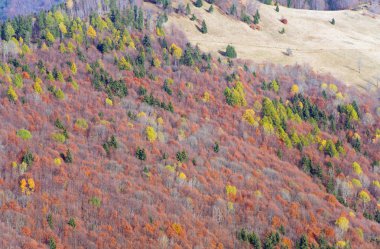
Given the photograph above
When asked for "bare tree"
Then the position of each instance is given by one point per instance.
(252, 7)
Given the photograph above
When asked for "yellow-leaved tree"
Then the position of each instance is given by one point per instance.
(91, 32)
(249, 117)
(231, 191)
(343, 223)
(73, 68)
(294, 89)
(176, 51)
(69, 4)
(12, 95)
(151, 134)
(364, 197)
(356, 166)
(62, 28)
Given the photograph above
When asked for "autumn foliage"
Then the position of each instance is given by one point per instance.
(104, 147)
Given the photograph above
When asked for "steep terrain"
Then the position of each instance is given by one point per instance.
(12, 8)
(320, 4)
(348, 50)
(118, 133)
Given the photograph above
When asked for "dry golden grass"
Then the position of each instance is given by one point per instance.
(340, 49)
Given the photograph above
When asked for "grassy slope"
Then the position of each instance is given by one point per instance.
(327, 48)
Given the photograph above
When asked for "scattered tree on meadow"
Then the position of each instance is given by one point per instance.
(198, 3)
(211, 9)
(230, 52)
(204, 27)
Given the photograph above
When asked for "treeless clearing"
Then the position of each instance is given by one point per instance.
(349, 50)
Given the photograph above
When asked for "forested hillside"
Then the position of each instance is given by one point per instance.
(319, 4)
(117, 133)
(12, 8)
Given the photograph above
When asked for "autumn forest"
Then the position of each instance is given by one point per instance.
(116, 132)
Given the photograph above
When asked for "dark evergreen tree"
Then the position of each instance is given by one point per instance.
(141, 154)
(198, 3)
(302, 243)
(230, 52)
(211, 9)
(233, 10)
(254, 240)
(204, 27)
(256, 17)
(140, 20)
(216, 147)
(188, 10)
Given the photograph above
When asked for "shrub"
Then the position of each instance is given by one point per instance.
(24, 134)
(284, 21)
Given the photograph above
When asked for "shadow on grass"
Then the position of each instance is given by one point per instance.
(223, 53)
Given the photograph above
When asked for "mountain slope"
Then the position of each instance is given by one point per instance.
(12, 8)
(348, 50)
(116, 134)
